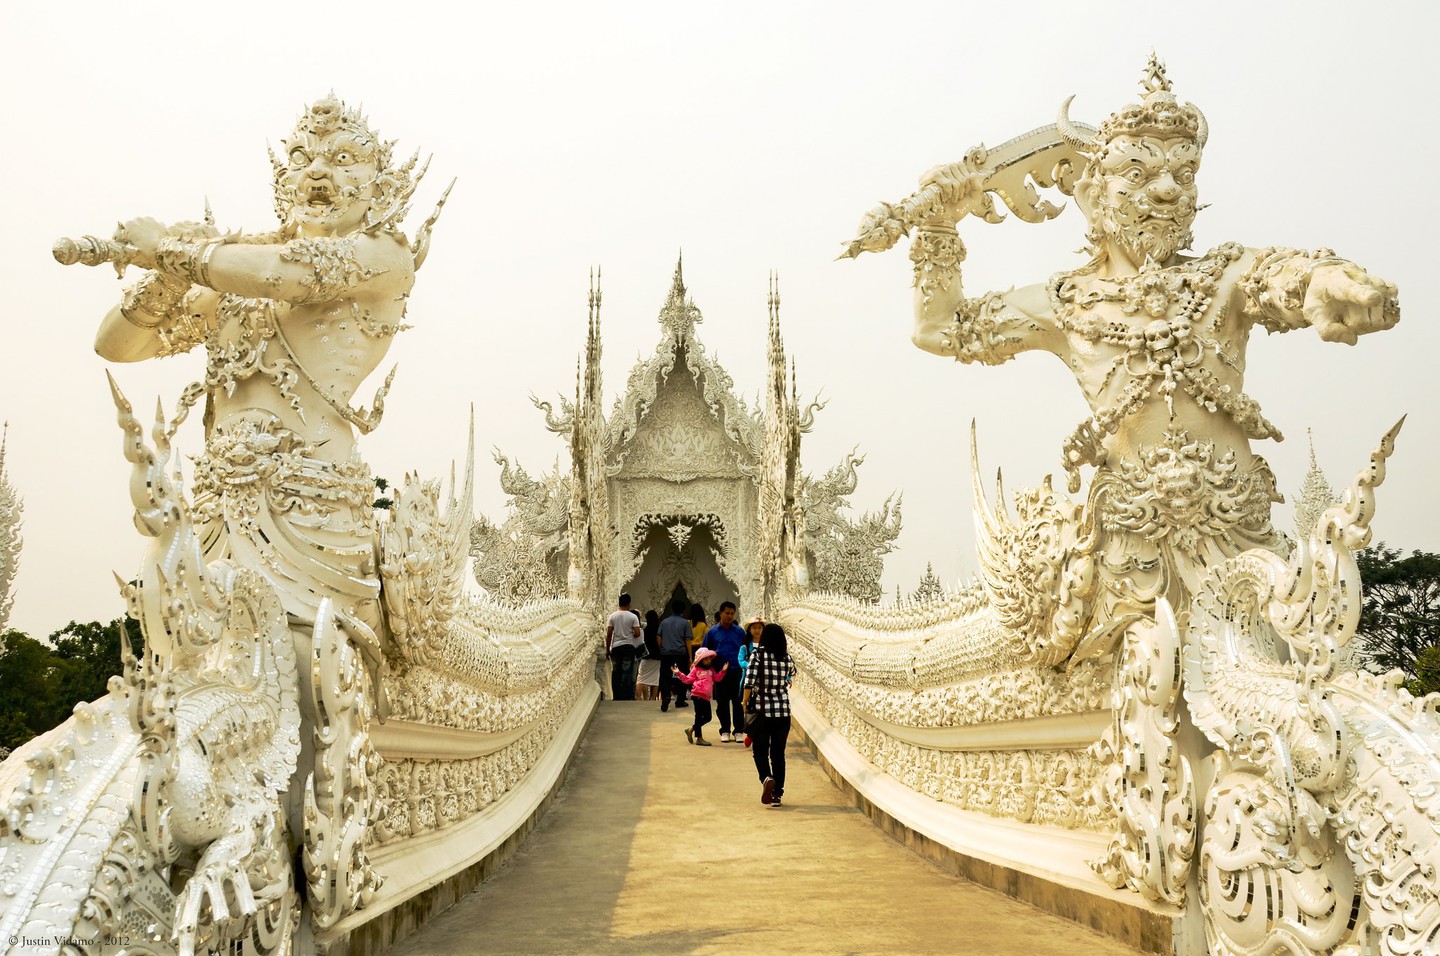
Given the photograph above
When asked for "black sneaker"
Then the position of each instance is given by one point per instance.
(767, 792)
(682, 703)
(664, 706)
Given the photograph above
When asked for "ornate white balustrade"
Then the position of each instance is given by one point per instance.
(1246, 790)
(249, 750)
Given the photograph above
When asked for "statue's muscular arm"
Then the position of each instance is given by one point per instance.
(182, 293)
(990, 329)
(1288, 289)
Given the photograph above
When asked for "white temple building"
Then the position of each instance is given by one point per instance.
(683, 490)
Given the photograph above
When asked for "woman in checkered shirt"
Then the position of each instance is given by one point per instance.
(768, 679)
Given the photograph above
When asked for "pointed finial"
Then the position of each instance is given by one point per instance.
(1155, 79)
(209, 214)
(677, 286)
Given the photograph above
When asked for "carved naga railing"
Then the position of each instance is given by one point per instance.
(1322, 826)
(235, 791)
(1307, 792)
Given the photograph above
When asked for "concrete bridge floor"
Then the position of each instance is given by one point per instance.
(654, 846)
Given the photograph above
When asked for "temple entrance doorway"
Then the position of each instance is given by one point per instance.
(680, 557)
(679, 594)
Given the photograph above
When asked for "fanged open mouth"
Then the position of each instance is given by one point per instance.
(319, 196)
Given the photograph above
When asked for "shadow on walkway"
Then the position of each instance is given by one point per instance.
(654, 846)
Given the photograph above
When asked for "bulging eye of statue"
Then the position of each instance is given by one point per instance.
(298, 157)
(344, 158)
(1134, 174)
(1185, 176)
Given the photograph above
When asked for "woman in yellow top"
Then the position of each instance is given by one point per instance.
(698, 627)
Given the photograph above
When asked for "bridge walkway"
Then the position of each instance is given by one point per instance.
(654, 846)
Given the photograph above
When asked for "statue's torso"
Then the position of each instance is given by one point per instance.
(300, 362)
(1160, 353)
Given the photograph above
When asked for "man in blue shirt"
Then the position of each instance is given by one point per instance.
(725, 639)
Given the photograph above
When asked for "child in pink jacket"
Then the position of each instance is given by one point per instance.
(702, 678)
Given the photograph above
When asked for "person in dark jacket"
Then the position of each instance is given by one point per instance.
(675, 633)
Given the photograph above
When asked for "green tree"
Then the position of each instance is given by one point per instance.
(1427, 673)
(89, 655)
(40, 684)
(29, 702)
(1400, 614)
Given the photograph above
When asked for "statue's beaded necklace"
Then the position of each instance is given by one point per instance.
(1163, 355)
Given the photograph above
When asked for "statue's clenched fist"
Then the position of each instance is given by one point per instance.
(1343, 301)
(961, 189)
(145, 234)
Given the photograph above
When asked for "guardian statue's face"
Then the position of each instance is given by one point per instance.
(327, 181)
(1145, 197)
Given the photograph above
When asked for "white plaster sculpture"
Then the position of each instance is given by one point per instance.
(12, 511)
(1324, 816)
(667, 487)
(278, 614)
(1316, 494)
(1323, 764)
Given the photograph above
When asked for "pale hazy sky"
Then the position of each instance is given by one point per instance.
(751, 135)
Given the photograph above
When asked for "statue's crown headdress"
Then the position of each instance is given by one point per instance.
(329, 114)
(394, 184)
(1157, 114)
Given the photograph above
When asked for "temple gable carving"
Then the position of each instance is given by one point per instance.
(682, 488)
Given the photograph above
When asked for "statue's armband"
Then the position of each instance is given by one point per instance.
(1276, 283)
(151, 302)
(171, 308)
(937, 253)
(979, 333)
(330, 264)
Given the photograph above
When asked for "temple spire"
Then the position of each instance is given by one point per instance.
(12, 510)
(677, 285)
(679, 316)
(592, 343)
(776, 352)
(1316, 494)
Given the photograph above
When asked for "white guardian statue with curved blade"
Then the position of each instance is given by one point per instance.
(1314, 815)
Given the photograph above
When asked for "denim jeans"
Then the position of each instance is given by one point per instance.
(622, 672)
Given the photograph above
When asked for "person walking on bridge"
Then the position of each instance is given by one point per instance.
(623, 641)
(726, 639)
(675, 634)
(768, 679)
(702, 680)
(647, 685)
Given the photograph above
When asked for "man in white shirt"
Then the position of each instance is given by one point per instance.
(622, 648)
